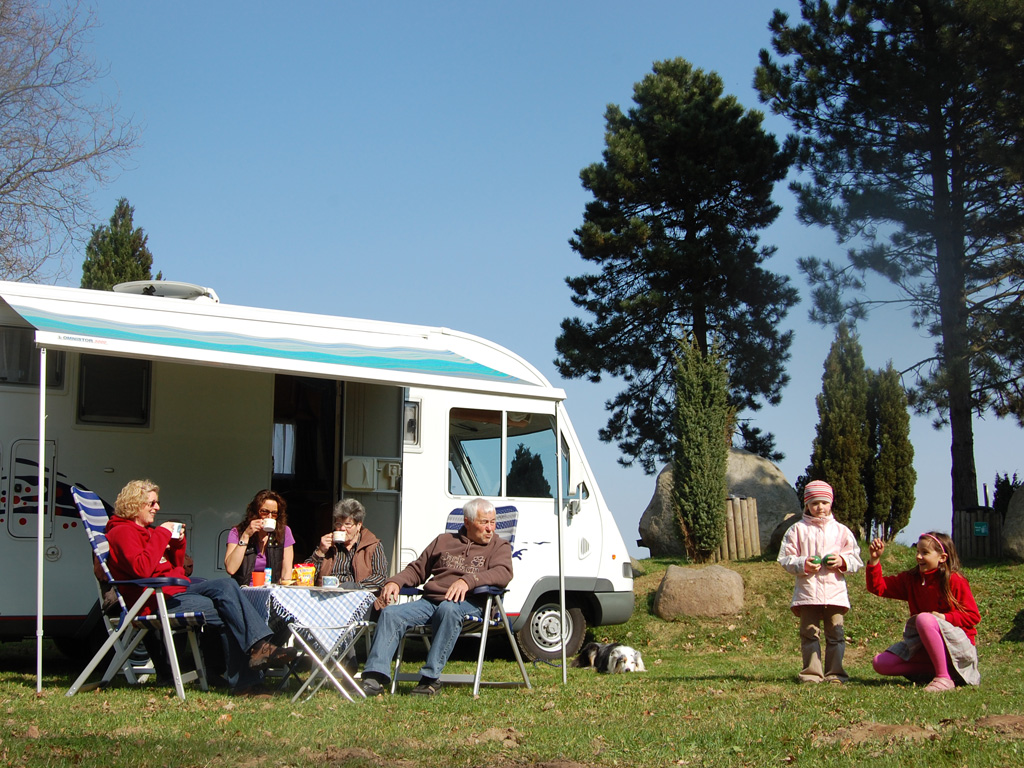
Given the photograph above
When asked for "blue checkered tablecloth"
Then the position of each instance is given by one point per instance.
(326, 613)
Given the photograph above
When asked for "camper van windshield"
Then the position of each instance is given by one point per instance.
(479, 450)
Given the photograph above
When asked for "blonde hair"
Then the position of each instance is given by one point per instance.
(133, 498)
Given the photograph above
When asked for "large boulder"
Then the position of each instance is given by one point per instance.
(747, 475)
(710, 591)
(778, 534)
(1013, 527)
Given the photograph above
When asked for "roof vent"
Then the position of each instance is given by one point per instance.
(171, 289)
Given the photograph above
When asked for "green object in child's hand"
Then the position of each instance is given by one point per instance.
(816, 559)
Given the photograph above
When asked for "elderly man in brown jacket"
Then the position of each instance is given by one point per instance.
(458, 562)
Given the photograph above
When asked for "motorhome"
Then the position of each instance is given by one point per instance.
(214, 402)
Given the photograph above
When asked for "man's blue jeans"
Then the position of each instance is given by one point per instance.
(222, 603)
(445, 620)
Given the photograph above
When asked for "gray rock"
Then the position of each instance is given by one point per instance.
(710, 591)
(748, 475)
(1013, 527)
(780, 531)
(659, 531)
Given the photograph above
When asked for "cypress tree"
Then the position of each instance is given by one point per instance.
(702, 427)
(890, 476)
(840, 450)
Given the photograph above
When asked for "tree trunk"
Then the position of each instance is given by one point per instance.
(948, 217)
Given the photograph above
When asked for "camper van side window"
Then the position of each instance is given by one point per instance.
(474, 452)
(19, 360)
(113, 390)
(530, 455)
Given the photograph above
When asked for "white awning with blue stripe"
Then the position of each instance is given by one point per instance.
(259, 339)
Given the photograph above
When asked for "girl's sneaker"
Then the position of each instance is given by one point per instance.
(940, 684)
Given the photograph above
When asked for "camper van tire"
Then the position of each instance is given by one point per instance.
(540, 639)
(82, 645)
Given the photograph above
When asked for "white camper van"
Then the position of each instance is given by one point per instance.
(215, 402)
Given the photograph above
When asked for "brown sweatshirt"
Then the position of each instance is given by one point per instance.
(453, 556)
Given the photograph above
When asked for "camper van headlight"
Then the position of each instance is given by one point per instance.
(627, 569)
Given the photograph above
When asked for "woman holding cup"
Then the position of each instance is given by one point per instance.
(261, 542)
(350, 553)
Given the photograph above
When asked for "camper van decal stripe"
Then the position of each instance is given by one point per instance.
(406, 359)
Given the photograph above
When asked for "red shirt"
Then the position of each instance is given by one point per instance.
(138, 552)
(924, 595)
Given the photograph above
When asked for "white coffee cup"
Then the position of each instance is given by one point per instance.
(339, 537)
(177, 530)
(269, 524)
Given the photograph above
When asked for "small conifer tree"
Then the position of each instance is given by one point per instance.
(117, 253)
(890, 476)
(840, 450)
(702, 435)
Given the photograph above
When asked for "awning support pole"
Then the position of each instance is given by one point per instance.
(40, 519)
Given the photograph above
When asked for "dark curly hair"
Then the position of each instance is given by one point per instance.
(253, 511)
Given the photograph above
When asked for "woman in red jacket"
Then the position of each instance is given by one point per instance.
(138, 550)
(938, 639)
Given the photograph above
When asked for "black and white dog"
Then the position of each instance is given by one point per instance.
(610, 658)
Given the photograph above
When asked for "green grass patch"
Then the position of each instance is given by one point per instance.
(718, 692)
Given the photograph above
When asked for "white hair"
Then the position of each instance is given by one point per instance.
(472, 508)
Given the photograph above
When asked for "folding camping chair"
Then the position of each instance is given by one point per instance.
(133, 627)
(138, 667)
(493, 612)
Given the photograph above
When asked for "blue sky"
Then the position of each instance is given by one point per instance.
(419, 162)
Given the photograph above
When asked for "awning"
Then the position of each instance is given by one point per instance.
(152, 327)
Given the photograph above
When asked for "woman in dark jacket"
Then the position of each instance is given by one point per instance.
(350, 551)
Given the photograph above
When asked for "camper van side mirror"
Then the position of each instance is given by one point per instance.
(575, 503)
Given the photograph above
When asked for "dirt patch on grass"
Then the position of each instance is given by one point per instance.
(339, 757)
(1006, 725)
(864, 732)
(1011, 726)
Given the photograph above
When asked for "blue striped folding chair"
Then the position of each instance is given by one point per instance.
(132, 627)
(493, 611)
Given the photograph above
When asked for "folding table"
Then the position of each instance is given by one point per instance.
(325, 623)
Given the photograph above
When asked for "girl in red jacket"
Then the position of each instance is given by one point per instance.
(938, 639)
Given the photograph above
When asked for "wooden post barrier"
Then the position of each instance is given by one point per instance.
(754, 526)
(730, 531)
(978, 534)
(749, 526)
(742, 539)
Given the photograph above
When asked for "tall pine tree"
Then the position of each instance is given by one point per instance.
(890, 477)
(840, 451)
(911, 136)
(117, 252)
(683, 190)
(702, 433)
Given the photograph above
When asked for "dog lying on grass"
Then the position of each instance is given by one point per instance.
(610, 658)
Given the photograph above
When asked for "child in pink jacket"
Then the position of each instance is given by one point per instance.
(818, 550)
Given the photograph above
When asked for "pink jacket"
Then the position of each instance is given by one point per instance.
(819, 536)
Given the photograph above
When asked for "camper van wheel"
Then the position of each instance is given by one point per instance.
(81, 647)
(540, 638)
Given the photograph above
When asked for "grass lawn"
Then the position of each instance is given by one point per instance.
(718, 692)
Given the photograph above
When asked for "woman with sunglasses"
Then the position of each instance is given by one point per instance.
(350, 551)
(262, 540)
